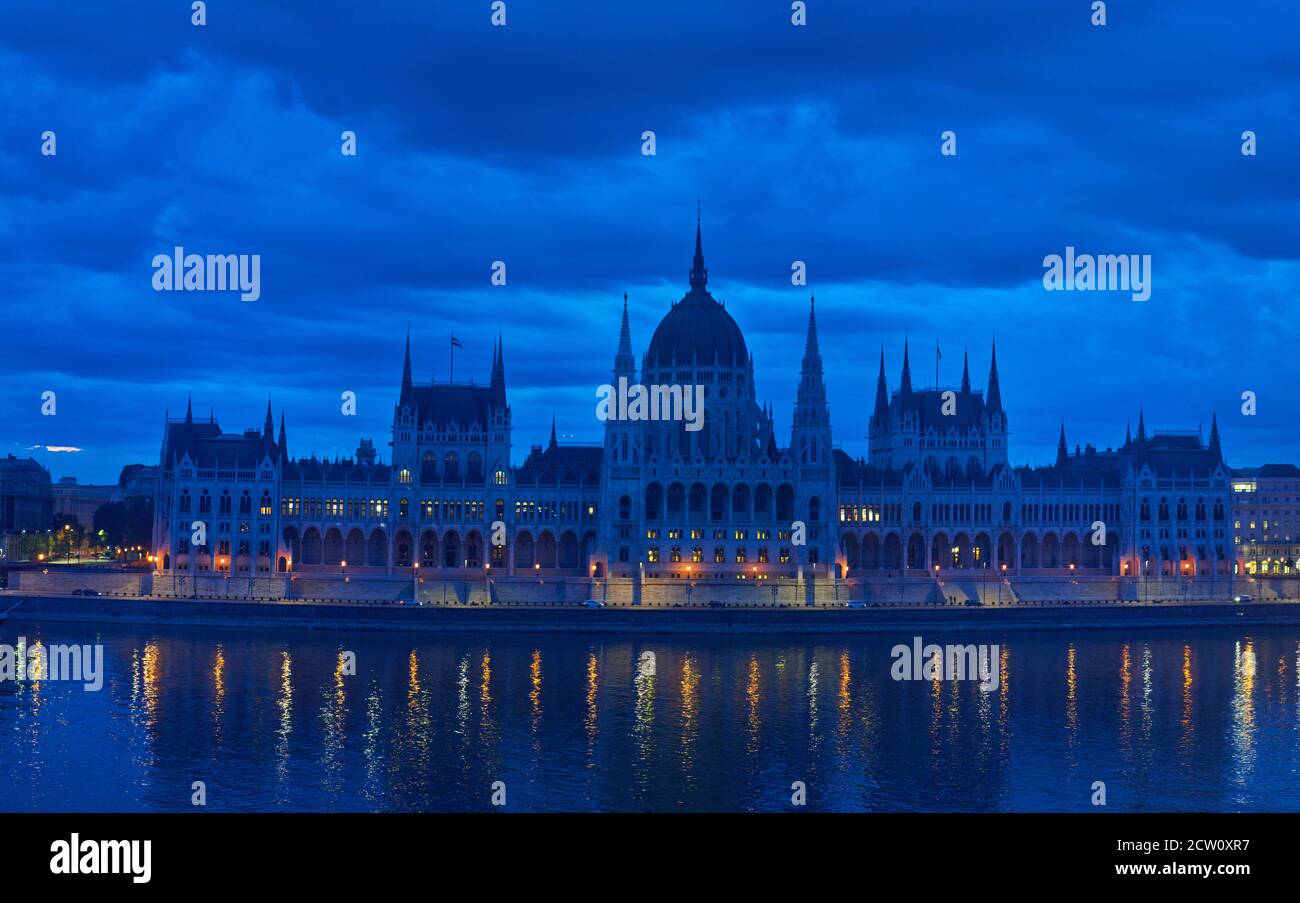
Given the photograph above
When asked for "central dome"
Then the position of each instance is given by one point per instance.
(698, 329)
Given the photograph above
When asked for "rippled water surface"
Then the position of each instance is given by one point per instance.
(1206, 719)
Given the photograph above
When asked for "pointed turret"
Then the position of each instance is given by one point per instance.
(811, 435)
(1128, 435)
(882, 391)
(624, 360)
(268, 428)
(1062, 451)
(1142, 426)
(554, 441)
(905, 383)
(965, 371)
(699, 275)
(812, 347)
(407, 394)
(498, 381)
(1215, 445)
(283, 444)
(994, 400)
(189, 409)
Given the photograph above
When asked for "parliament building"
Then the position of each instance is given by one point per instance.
(735, 499)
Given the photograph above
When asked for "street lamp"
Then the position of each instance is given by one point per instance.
(344, 566)
(415, 583)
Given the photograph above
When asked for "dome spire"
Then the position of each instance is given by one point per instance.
(699, 275)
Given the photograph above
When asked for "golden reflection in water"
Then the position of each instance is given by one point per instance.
(589, 722)
(418, 717)
(936, 706)
(844, 697)
(218, 690)
(690, 714)
(285, 704)
(485, 693)
(149, 675)
(1004, 698)
(535, 694)
(36, 664)
(814, 739)
(1125, 685)
(1071, 696)
(1185, 720)
(752, 695)
(1243, 709)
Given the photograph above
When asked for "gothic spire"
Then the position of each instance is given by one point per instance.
(283, 444)
(965, 370)
(812, 348)
(699, 275)
(1128, 434)
(905, 385)
(1062, 452)
(554, 441)
(882, 390)
(407, 393)
(624, 360)
(994, 401)
(1142, 426)
(1214, 435)
(498, 381)
(189, 408)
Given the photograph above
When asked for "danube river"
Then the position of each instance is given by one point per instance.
(1202, 719)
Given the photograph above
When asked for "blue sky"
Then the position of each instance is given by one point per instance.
(522, 143)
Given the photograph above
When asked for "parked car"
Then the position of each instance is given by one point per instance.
(407, 602)
(855, 604)
(716, 603)
(1241, 599)
(86, 591)
(972, 601)
(593, 603)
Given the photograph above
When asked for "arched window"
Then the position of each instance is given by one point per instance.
(185, 502)
(815, 510)
(205, 503)
(245, 503)
(225, 501)
(625, 508)
(451, 466)
(654, 501)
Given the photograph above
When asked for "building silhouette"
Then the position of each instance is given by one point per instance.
(731, 500)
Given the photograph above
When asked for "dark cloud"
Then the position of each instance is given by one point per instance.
(522, 144)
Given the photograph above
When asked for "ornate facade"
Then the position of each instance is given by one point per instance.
(727, 501)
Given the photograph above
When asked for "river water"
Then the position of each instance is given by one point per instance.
(1202, 719)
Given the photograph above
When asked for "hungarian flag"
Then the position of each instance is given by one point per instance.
(455, 342)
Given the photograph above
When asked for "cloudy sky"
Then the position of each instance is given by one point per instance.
(523, 144)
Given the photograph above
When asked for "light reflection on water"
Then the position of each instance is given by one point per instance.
(1193, 720)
